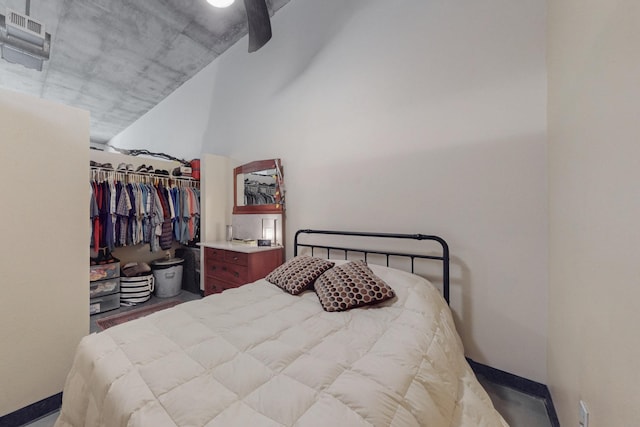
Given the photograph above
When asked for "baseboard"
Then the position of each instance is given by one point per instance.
(521, 384)
(32, 412)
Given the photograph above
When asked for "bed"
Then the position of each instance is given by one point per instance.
(259, 356)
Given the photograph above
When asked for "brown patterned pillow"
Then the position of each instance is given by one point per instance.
(297, 274)
(351, 285)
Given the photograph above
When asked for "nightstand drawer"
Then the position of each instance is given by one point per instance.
(214, 286)
(224, 268)
(212, 254)
(228, 272)
(236, 257)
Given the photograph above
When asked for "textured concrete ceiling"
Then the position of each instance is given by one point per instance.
(119, 58)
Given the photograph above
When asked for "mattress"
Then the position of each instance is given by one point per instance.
(257, 356)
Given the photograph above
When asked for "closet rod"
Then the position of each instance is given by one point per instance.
(145, 174)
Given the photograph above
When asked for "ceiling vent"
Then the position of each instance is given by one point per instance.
(23, 40)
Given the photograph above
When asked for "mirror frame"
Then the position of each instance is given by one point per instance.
(259, 165)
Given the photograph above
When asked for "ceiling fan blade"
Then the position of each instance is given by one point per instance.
(259, 23)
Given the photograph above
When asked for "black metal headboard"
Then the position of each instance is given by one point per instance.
(444, 258)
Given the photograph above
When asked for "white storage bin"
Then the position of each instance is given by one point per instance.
(168, 276)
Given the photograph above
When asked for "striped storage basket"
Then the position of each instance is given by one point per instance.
(135, 290)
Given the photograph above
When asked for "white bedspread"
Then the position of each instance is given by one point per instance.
(257, 356)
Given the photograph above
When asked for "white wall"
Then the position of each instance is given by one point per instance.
(217, 185)
(44, 271)
(594, 162)
(413, 117)
(176, 125)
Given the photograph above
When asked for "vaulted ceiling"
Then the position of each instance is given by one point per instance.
(119, 58)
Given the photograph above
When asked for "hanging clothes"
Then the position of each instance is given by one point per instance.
(132, 209)
(94, 215)
(166, 235)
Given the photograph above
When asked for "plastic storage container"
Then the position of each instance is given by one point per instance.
(168, 276)
(104, 287)
(105, 303)
(104, 271)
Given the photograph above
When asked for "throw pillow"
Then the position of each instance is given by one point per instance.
(351, 285)
(297, 274)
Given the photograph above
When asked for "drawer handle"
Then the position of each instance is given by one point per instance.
(235, 258)
(236, 274)
(224, 268)
(213, 267)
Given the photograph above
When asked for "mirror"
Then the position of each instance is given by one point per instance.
(257, 187)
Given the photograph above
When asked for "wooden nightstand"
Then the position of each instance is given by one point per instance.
(230, 266)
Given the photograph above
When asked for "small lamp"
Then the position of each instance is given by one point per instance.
(269, 230)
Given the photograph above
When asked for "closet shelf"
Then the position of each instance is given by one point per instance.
(142, 175)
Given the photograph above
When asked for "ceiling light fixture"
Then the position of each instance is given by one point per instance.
(258, 21)
(220, 3)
